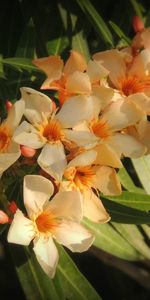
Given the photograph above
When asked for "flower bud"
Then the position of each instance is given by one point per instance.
(12, 207)
(138, 24)
(27, 151)
(3, 217)
(8, 105)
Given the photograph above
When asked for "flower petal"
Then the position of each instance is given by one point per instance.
(52, 66)
(15, 114)
(84, 159)
(128, 145)
(8, 158)
(78, 83)
(52, 160)
(142, 101)
(107, 156)
(107, 181)
(47, 255)
(143, 129)
(37, 192)
(37, 105)
(122, 113)
(74, 236)
(76, 110)
(75, 62)
(82, 138)
(67, 205)
(27, 135)
(104, 94)
(93, 208)
(113, 61)
(96, 71)
(21, 230)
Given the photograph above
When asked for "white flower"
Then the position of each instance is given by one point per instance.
(57, 219)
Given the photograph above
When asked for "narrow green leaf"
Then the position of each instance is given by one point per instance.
(20, 63)
(109, 240)
(142, 168)
(137, 8)
(35, 283)
(96, 20)
(134, 200)
(135, 238)
(146, 230)
(127, 215)
(75, 284)
(120, 33)
(127, 182)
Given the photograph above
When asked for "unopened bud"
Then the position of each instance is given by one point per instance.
(138, 24)
(12, 207)
(3, 217)
(27, 151)
(8, 105)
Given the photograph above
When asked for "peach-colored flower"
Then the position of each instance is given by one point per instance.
(128, 77)
(71, 79)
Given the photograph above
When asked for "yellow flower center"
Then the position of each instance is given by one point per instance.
(81, 177)
(5, 138)
(132, 84)
(46, 222)
(53, 131)
(100, 128)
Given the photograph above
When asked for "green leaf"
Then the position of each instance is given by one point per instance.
(109, 240)
(123, 214)
(96, 20)
(135, 238)
(142, 168)
(20, 63)
(137, 8)
(35, 283)
(127, 182)
(134, 200)
(120, 33)
(75, 284)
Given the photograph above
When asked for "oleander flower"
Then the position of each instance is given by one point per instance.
(72, 78)
(9, 150)
(108, 127)
(129, 77)
(48, 132)
(48, 220)
(84, 175)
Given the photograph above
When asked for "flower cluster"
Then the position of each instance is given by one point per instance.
(78, 145)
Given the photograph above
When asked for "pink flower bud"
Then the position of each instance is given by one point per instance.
(8, 105)
(138, 24)
(12, 207)
(3, 217)
(27, 151)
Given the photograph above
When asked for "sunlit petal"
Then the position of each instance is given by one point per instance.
(21, 230)
(93, 208)
(47, 255)
(74, 236)
(37, 192)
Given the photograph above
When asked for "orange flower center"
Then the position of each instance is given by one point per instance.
(53, 131)
(132, 84)
(82, 177)
(100, 128)
(5, 138)
(46, 222)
